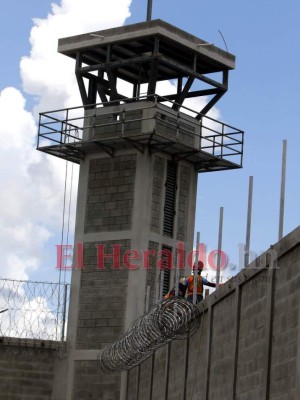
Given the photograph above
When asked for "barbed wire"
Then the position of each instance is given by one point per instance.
(35, 310)
(168, 320)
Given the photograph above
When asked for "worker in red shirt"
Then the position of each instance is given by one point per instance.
(189, 283)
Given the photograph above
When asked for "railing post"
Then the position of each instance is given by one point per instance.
(39, 131)
(67, 131)
(222, 141)
(64, 312)
(242, 149)
(200, 133)
(61, 132)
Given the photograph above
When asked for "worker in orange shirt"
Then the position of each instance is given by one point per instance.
(189, 283)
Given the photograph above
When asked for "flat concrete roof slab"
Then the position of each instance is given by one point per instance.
(137, 40)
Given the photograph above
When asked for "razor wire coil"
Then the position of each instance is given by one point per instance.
(32, 310)
(170, 319)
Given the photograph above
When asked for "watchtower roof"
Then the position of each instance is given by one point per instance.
(132, 45)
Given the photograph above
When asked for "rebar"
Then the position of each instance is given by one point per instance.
(170, 319)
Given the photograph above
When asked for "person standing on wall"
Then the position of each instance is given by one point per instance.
(189, 283)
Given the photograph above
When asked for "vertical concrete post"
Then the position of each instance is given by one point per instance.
(196, 269)
(219, 246)
(282, 189)
(248, 228)
(149, 10)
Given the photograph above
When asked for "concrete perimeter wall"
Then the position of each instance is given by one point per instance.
(248, 346)
(30, 369)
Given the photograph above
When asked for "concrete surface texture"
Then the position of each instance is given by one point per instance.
(247, 347)
(210, 53)
(120, 209)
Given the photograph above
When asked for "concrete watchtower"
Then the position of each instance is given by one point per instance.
(139, 156)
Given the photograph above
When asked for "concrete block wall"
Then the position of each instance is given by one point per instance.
(27, 369)
(91, 384)
(99, 288)
(285, 355)
(157, 193)
(248, 344)
(152, 274)
(116, 123)
(160, 370)
(183, 201)
(252, 337)
(222, 345)
(101, 320)
(120, 202)
(177, 356)
(145, 377)
(102, 297)
(110, 194)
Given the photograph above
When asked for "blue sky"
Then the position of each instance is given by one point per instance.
(263, 100)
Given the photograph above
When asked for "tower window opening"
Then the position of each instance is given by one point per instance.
(170, 197)
(166, 259)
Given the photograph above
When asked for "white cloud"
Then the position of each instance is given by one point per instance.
(31, 183)
(50, 75)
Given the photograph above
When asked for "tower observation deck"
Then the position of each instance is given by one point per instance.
(139, 58)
